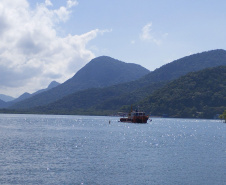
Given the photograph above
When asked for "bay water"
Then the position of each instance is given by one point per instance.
(49, 149)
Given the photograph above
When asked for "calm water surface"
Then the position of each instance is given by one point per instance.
(40, 149)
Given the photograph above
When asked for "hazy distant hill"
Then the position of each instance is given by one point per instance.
(22, 97)
(26, 95)
(199, 94)
(6, 98)
(111, 99)
(100, 72)
(2, 104)
(50, 86)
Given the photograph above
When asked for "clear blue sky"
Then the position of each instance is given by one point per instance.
(53, 39)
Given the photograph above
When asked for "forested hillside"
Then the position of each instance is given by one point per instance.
(182, 66)
(96, 101)
(196, 95)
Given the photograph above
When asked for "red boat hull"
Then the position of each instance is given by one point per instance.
(135, 119)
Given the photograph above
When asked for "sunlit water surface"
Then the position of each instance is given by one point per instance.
(40, 149)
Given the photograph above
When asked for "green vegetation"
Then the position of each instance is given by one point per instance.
(196, 95)
(97, 101)
(185, 65)
(223, 116)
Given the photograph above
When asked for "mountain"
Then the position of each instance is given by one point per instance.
(192, 63)
(136, 90)
(111, 99)
(22, 97)
(100, 72)
(50, 86)
(196, 95)
(2, 104)
(6, 98)
(27, 95)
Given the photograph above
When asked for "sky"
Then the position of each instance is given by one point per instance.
(46, 40)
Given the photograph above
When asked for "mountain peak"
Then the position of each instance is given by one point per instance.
(53, 84)
(105, 71)
(101, 58)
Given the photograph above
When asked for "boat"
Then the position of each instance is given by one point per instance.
(135, 117)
